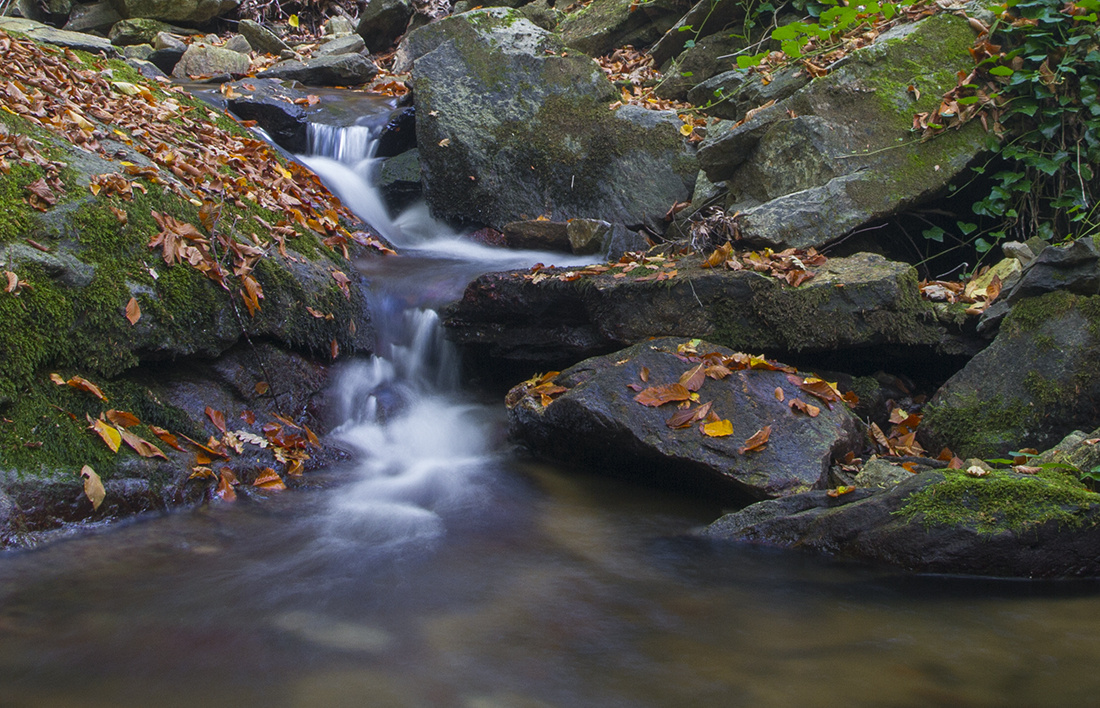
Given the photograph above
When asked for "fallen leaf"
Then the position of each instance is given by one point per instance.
(202, 473)
(269, 479)
(693, 378)
(758, 440)
(686, 417)
(122, 419)
(718, 428)
(644, 374)
(779, 394)
(133, 311)
(217, 418)
(82, 384)
(13, 281)
(140, 446)
(807, 408)
(260, 388)
(976, 471)
(166, 437)
(109, 434)
(659, 395)
(840, 490)
(1026, 469)
(93, 487)
(224, 490)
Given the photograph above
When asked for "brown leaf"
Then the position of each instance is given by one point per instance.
(224, 490)
(140, 446)
(217, 418)
(644, 374)
(133, 311)
(122, 419)
(252, 293)
(93, 487)
(807, 408)
(13, 281)
(758, 440)
(693, 378)
(83, 384)
(717, 372)
(342, 281)
(269, 479)
(686, 417)
(779, 394)
(260, 388)
(879, 436)
(659, 395)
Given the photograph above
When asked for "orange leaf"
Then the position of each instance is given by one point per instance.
(718, 429)
(248, 416)
(841, 490)
(334, 348)
(342, 281)
(758, 440)
(84, 384)
(718, 257)
(202, 473)
(659, 395)
(269, 479)
(224, 490)
(133, 311)
(261, 388)
(166, 437)
(122, 419)
(808, 409)
(779, 394)
(217, 418)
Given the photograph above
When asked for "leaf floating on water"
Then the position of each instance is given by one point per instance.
(758, 440)
(217, 418)
(659, 395)
(133, 311)
(93, 487)
(718, 429)
(108, 434)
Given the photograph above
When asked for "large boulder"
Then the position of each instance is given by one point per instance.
(187, 11)
(61, 38)
(841, 152)
(200, 60)
(598, 421)
(383, 22)
(1000, 524)
(261, 38)
(863, 305)
(335, 70)
(1037, 381)
(513, 126)
(604, 25)
(704, 21)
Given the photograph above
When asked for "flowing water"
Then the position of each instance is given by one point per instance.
(443, 569)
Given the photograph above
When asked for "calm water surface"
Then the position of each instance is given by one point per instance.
(440, 568)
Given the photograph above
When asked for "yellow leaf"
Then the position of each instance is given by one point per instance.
(93, 486)
(106, 432)
(293, 21)
(718, 429)
(686, 129)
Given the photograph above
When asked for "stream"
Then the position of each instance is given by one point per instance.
(442, 568)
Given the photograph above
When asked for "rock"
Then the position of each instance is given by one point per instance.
(698, 64)
(604, 25)
(167, 40)
(136, 31)
(237, 43)
(188, 11)
(537, 235)
(351, 44)
(733, 94)
(399, 133)
(8, 511)
(271, 105)
(863, 305)
(1037, 381)
(167, 52)
(881, 474)
(383, 22)
(337, 26)
(706, 18)
(598, 422)
(588, 236)
(1003, 524)
(340, 70)
(261, 38)
(141, 52)
(399, 180)
(204, 60)
(98, 16)
(61, 38)
(1073, 267)
(824, 161)
(1018, 250)
(542, 13)
(509, 129)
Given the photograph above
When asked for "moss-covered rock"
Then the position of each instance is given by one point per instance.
(601, 26)
(1037, 381)
(856, 157)
(513, 126)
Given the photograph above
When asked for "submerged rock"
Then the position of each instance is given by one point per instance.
(598, 422)
(1002, 524)
(512, 126)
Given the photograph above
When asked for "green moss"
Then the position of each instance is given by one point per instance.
(1033, 312)
(977, 428)
(1002, 501)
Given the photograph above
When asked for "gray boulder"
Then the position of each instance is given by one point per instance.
(706, 18)
(61, 38)
(603, 25)
(864, 305)
(189, 11)
(383, 22)
(732, 94)
(399, 180)
(338, 70)
(136, 31)
(698, 64)
(1003, 524)
(840, 152)
(509, 129)
(348, 44)
(95, 16)
(1037, 381)
(538, 235)
(201, 60)
(271, 105)
(598, 422)
(261, 38)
